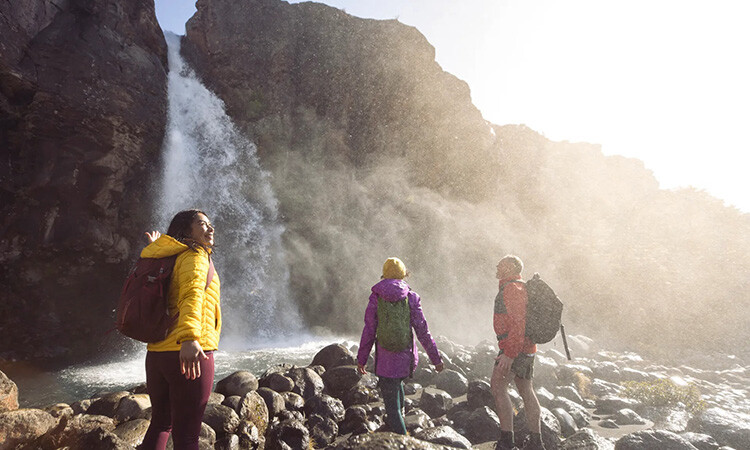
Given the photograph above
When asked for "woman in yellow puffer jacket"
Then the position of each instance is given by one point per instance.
(180, 369)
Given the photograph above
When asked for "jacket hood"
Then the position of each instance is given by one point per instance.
(391, 289)
(163, 247)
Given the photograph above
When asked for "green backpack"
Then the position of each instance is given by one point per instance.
(394, 325)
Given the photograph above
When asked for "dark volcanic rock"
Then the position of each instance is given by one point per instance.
(333, 355)
(727, 427)
(385, 440)
(238, 383)
(340, 380)
(443, 435)
(8, 394)
(291, 433)
(82, 117)
(653, 440)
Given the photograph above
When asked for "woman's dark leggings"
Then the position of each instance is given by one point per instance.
(393, 397)
(177, 403)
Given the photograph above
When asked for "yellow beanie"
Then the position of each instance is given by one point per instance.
(394, 268)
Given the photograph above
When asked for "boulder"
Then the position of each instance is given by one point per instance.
(215, 397)
(334, 355)
(238, 383)
(361, 395)
(23, 425)
(292, 401)
(482, 425)
(136, 406)
(59, 410)
(385, 440)
(355, 417)
(452, 382)
(276, 382)
(586, 439)
(416, 420)
(252, 408)
(568, 426)
(8, 394)
(307, 382)
(289, 434)
(610, 405)
(340, 379)
(133, 431)
(249, 436)
(107, 404)
(227, 442)
(323, 430)
(727, 427)
(222, 419)
(700, 441)
(232, 402)
(443, 435)
(325, 406)
(274, 400)
(435, 402)
(479, 394)
(653, 440)
(627, 416)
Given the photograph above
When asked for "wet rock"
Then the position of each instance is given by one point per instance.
(223, 419)
(354, 417)
(653, 440)
(482, 426)
(570, 393)
(232, 402)
(578, 412)
(628, 417)
(728, 428)
(249, 437)
(610, 405)
(360, 395)
(323, 430)
(416, 419)
(568, 426)
(325, 406)
(607, 370)
(23, 425)
(252, 408)
(545, 371)
(452, 382)
(274, 400)
(207, 433)
(289, 434)
(334, 355)
(411, 388)
(289, 415)
(217, 398)
(133, 407)
(586, 439)
(132, 432)
(238, 383)
(551, 430)
(340, 379)
(78, 429)
(570, 373)
(424, 375)
(59, 410)
(435, 402)
(628, 374)
(700, 441)
(479, 394)
(443, 435)
(107, 405)
(601, 388)
(277, 382)
(100, 439)
(292, 401)
(81, 406)
(608, 423)
(385, 440)
(8, 394)
(228, 442)
(307, 382)
(459, 415)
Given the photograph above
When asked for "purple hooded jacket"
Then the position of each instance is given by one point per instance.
(395, 364)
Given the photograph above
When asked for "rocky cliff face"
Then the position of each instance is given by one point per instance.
(375, 151)
(82, 115)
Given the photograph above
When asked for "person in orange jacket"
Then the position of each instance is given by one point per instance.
(516, 357)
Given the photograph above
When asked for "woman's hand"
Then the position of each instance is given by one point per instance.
(361, 369)
(191, 355)
(152, 236)
(439, 367)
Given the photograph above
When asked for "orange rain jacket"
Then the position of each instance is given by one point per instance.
(509, 319)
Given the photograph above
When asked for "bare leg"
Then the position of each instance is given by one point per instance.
(530, 404)
(503, 405)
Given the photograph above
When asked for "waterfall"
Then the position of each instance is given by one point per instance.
(210, 165)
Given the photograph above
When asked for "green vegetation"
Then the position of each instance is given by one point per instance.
(665, 393)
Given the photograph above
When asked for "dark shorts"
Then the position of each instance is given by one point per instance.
(523, 365)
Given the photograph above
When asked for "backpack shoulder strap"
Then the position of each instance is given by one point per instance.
(211, 272)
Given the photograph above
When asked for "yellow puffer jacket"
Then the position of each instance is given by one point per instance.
(199, 311)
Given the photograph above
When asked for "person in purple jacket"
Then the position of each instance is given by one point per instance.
(392, 367)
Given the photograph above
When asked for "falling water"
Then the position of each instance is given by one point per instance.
(209, 165)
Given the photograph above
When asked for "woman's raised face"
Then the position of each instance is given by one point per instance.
(202, 231)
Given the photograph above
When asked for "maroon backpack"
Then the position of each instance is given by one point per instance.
(142, 311)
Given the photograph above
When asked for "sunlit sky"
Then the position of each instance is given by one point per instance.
(664, 81)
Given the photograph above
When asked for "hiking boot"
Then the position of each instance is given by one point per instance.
(500, 445)
(531, 444)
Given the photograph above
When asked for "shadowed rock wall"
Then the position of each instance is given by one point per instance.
(82, 116)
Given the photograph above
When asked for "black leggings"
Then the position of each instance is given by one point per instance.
(177, 403)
